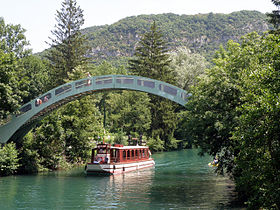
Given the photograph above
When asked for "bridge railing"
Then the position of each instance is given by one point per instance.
(110, 82)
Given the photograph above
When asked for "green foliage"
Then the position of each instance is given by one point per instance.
(12, 39)
(49, 141)
(106, 68)
(257, 164)
(12, 42)
(9, 92)
(234, 113)
(151, 58)
(30, 160)
(129, 112)
(164, 121)
(211, 115)
(155, 144)
(120, 138)
(22, 76)
(33, 77)
(8, 159)
(187, 66)
(81, 122)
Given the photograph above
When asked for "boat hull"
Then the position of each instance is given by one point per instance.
(117, 168)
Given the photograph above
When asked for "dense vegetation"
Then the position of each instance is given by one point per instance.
(202, 33)
(233, 113)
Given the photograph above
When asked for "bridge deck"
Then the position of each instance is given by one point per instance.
(33, 111)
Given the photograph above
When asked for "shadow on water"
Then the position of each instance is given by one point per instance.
(180, 180)
(184, 179)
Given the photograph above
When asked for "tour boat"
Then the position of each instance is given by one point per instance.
(117, 159)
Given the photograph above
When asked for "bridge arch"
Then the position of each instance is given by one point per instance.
(33, 111)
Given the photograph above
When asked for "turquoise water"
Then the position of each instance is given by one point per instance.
(180, 180)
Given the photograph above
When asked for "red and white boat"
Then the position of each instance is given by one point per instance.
(118, 159)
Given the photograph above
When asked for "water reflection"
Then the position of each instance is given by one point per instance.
(120, 190)
(134, 186)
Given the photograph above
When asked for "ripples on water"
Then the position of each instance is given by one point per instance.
(180, 180)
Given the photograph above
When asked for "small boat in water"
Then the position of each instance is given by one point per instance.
(117, 159)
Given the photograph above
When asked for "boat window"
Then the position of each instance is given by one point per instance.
(101, 151)
(124, 80)
(63, 89)
(104, 80)
(113, 153)
(83, 83)
(124, 154)
(146, 83)
(128, 154)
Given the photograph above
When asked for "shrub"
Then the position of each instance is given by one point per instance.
(8, 159)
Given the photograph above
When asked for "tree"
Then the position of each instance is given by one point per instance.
(187, 66)
(152, 60)
(274, 17)
(34, 77)
(129, 112)
(8, 159)
(82, 122)
(211, 111)
(257, 164)
(12, 39)
(68, 48)
(12, 51)
(9, 99)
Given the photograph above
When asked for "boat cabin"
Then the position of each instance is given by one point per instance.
(107, 154)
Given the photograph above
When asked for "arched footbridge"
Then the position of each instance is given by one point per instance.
(32, 112)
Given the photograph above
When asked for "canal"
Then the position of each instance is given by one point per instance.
(180, 180)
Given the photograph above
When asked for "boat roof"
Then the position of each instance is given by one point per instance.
(120, 146)
(130, 147)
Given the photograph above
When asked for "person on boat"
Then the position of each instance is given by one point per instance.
(97, 160)
(215, 162)
(140, 139)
